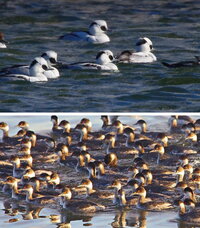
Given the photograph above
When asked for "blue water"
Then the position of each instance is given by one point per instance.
(33, 27)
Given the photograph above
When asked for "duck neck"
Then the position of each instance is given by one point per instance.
(37, 185)
(84, 135)
(165, 141)
(180, 177)
(130, 139)
(29, 196)
(89, 191)
(143, 128)
(65, 203)
(67, 130)
(33, 140)
(107, 147)
(55, 125)
(105, 122)
(92, 173)
(16, 165)
(158, 159)
(62, 157)
(80, 162)
(141, 199)
(120, 129)
(5, 133)
(122, 200)
(14, 191)
(149, 179)
(182, 209)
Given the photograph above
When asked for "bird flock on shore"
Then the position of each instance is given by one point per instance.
(85, 171)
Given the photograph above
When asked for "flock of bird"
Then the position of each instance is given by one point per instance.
(119, 166)
(45, 67)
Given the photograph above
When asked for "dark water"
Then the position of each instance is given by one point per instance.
(33, 27)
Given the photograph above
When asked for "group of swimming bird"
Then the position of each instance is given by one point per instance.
(44, 67)
(118, 166)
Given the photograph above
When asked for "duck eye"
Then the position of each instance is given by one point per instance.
(110, 57)
(44, 67)
(151, 47)
(103, 28)
(52, 60)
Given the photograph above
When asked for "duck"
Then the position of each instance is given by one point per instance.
(109, 143)
(193, 137)
(90, 192)
(18, 169)
(82, 163)
(65, 125)
(189, 63)
(54, 120)
(78, 206)
(160, 137)
(35, 72)
(111, 159)
(104, 62)
(27, 158)
(180, 172)
(13, 182)
(39, 199)
(54, 179)
(188, 193)
(6, 138)
(107, 122)
(3, 42)
(150, 205)
(143, 53)
(51, 58)
(23, 125)
(116, 185)
(95, 35)
(126, 201)
(158, 148)
(92, 141)
(87, 123)
(135, 142)
(190, 217)
(51, 72)
(177, 121)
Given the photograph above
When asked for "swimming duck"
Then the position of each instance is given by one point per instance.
(79, 206)
(143, 53)
(95, 35)
(39, 200)
(191, 217)
(104, 61)
(150, 205)
(36, 72)
(189, 63)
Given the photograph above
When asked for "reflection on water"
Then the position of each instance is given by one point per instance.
(121, 218)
